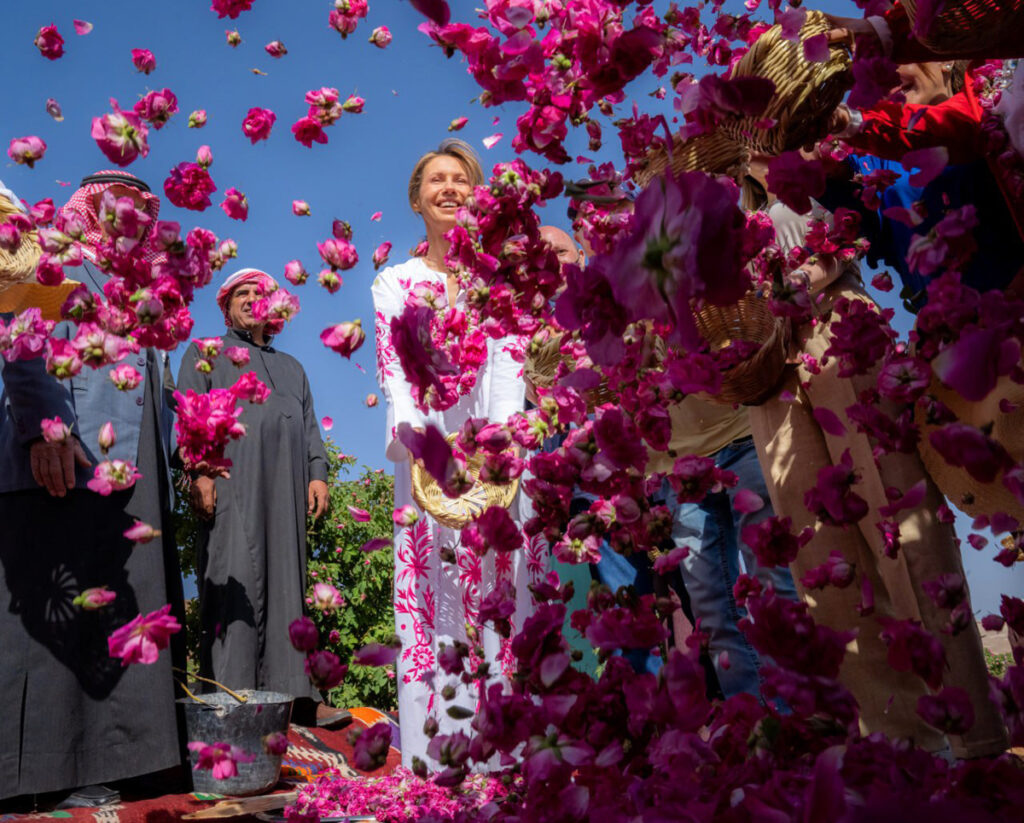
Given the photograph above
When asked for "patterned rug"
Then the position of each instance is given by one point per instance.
(310, 751)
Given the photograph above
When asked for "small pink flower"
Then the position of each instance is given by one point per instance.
(458, 124)
(354, 104)
(338, 253)
(233, 37)
(327, 423)
(300, 208)
(26, 150)
(204, 157)
(275, 48)
(344, 338)
(381, 254)
(359, 515)
(107, 437)
(275, 743)
(295, 273)
(141, 640)
(238, 355)
(92, 599)
(258, 123)
(82, 27)
(221, 759)
(230, 8)
(55, 430)
(121, 135)
(197, 119)
(49, 42)
(326, 597)
(325, 670)
(405, 516)
(113, 476)
(371, 400)
(494, 530)
(249, 387)
(381, 37)
(189, 186)
(303, 634)
(309, 130)
(143, 60)
(235, 205)
(125, 377)
(156, 107)
(330, 280)
(140, 532)
(346, 15)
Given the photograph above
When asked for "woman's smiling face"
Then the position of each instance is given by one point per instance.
(444, 187)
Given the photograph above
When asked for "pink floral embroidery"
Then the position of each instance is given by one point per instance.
(385, 351)
(415, 601)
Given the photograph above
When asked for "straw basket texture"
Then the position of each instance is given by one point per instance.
(541, 366)
(457, 512)
(806, 93)
(19, 265)
(753, 380)
(966, 493)
(714, 153)
(966, 25)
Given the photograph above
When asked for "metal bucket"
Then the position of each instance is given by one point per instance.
(243, 725)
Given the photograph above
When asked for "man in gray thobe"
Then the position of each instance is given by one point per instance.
(252, 542)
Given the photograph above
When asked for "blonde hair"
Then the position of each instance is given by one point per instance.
(451, 147)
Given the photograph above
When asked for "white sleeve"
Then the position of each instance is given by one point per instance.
(508, 388)
(388, 301)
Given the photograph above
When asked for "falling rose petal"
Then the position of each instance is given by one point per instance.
(747, 502)
(816, 48)
(829, 422)
(495, 121)
(791, 21)
(359, 515)
(327, 423)
(376, 216)
(584, 160)
(911, 500)
(140, 532)
(377, 654)
(490, 142)
(931, 162)
(82, 27)
(54, 110)
(376, 544)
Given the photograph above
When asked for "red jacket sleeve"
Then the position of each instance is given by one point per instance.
(890, 130)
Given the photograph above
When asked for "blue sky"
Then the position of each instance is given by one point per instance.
(412, 92)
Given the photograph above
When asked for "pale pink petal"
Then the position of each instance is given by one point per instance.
(82, 26)
(747, 502)
(490, 142)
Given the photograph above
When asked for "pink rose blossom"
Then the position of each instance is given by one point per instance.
(26, 150)
(141, 640)
(275, 743)
(125, 377)
(338, 253)
(233, 37)
(492, 529)
(55, 430)
(405, 516)
(295, 273)
(327, 423)
(344, 338)
(204, 157)
(300, 208)
(258, 123)
(238, 355)
(346, 15)
(235, 205)
(197, 119)
(230, 8)
(250, 388)
(120, 135)
(189, 186)
(143, 60)
(380, 255)
(96, 598)
(326, 597)
(49, 42)
(107, 437)
(303, 634)
(156, 107)
(308, 130)
(381, 37)
(113, 476)
(330, 280)
(458, 124)
(353, 104)
(221, 759)
(325, 670)
(275, 48)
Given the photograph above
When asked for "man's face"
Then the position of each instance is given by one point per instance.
(240, 307)
(566, 251)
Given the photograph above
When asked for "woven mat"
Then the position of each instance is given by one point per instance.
(310, 751)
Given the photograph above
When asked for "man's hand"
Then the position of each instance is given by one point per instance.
(53, 464)
(203, 493)
(318, 498)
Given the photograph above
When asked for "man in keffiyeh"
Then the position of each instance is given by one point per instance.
(252, 554)
(72, 716)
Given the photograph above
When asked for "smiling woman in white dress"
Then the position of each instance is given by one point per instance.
(435, 601)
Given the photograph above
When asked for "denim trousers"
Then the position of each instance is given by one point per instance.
(711, 531)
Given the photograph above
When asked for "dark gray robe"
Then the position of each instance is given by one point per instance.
(252, 555)
(70, 715)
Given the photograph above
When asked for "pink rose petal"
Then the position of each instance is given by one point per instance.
(327, 423)
(490, 142)
(829, 422)
(82, 27)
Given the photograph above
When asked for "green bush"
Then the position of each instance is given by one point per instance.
(334, 556)
(997, 664)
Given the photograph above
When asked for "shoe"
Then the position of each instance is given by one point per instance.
(328, 718)
(89, 797)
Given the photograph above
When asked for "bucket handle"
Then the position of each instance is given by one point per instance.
(240, 698)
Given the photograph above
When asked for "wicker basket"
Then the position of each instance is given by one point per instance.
(19, 266)
(714, 153)
(967, 26)
(457, 512)
(541, 366)
(755, 379)
(806, 94)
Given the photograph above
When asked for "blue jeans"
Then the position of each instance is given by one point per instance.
(711, 530)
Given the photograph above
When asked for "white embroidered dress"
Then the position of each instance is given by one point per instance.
(434, 600)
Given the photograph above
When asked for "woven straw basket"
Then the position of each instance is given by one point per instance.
(714, 153)
(752, 381)
(806, 93)
(457, 512)
(541, 366)
(967, 25)
(19, 266)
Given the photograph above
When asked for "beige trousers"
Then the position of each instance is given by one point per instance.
(792, 448)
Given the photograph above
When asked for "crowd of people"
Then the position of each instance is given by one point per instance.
(74, 718)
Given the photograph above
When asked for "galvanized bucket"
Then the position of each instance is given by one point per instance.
(223, 719)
